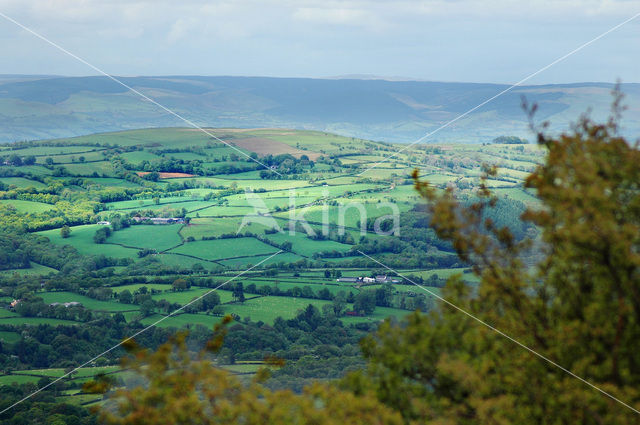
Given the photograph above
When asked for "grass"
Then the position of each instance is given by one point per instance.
(18, 379)
(134, 287)
(317, 286)
(35, 321)
(181, 261)
(87, 169)
(22, 182)
(7, 313)
(90, 303)
(81, 238)
(199, 227)
(35, 269)
(222, 211)
(7, 336)
(34, 375)
(267, 309)
(348, 215)
(378, 315)
(242, 368)
(224, 248)
(27, 206)
(243, 263)
(305, 246)
(183, 297)
(183, 320)
(159, 237)
(112, 182)
(53, 150)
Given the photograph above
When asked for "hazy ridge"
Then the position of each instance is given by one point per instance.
(36, 107)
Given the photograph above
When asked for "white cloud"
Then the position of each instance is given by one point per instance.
(437, 39)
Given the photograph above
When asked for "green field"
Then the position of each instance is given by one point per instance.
(305, 246)
(263, 260)
(81, 238)
(90, 303)
(224, 248)
(183, 297)
(219, 204)
(7, 336)
(35, 321)
(35, 269)
(268, 308)
(27, 206)
(159, 237)
(21, 182)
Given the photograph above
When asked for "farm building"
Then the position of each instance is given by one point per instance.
(349, 279)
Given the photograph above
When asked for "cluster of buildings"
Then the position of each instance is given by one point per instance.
(363, 279)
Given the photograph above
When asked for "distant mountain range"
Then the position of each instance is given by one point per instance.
(37, 107)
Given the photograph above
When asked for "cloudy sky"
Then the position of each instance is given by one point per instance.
(460, 40)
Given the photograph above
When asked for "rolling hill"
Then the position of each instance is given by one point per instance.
(36, 107)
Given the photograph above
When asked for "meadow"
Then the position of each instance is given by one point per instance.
(216, 203)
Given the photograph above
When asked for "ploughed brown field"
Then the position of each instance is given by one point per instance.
(264, 146)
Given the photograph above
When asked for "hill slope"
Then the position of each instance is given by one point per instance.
(42, 107)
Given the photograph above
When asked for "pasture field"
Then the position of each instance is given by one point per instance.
(53, 150)
(243, 368)
(268, 308)
(305, 246)
(35, 269)
(83, 372)
(334, 180)
(82, 375)
(147, 203)
(90, 303)
(228, 181)
(183, 297)
(222, 211)
(27, 206)
(315, 141)
(112, 182)
(244, 262)
(36, 321)
(182, 320)
(519, 194)
(220, 249)
(89, 156)
(18, 379)
(284, 285)
(183, 261)
(378, 315)
(87, 169)
(4, 313)
(348, 215)
(134, 287)
(159, 237)
(81, 238)
(22, 182)
(9, 337)
(199, 227)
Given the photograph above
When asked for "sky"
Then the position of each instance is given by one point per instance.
(493, 41)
